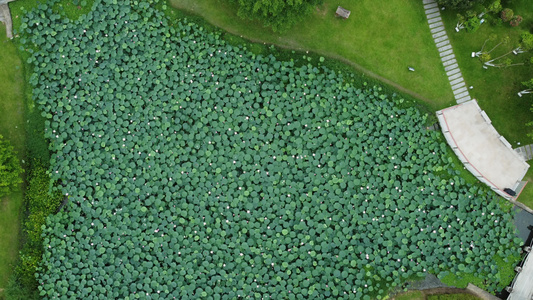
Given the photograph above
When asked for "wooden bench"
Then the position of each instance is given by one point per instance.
(342, 12)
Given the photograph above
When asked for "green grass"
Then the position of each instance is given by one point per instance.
(452, 297)
(496, 88)
(12, 128)
(411, 295)
(381, 43)
(10, 210)
(526, 197)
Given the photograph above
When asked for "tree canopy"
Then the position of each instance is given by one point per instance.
(280, 15)
(10, 169)
(459, 4)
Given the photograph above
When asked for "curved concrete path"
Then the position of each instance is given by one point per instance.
(459, 88)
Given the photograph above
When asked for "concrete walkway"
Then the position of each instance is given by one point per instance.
(525, 151)
(467, 129)
(459, 88)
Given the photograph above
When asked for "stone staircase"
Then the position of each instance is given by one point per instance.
(459, 88)
(525, 151)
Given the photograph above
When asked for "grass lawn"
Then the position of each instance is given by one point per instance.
(12, 128)
(526, 197)
(496, 88)
(399, 38)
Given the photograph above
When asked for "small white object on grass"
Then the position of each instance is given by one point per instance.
(411, 69)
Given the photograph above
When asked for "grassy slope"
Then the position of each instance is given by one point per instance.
(12, 128)
(399, 39)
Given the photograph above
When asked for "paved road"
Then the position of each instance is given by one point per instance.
(522, 220)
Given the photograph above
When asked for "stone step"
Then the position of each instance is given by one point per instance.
(441, 39)
(460, 90)
(436, 24)
(451, 67)
(528, 152)
(431, 10)
(454, 76)
(456, 81)
(446, 53)
(458, 85)
(525, 151)
(449, 62)
(431, 5)
(439, 34)
(437, 19)
(444, 48)
(437, 29)
(454, 71)
(433, 15)
(459, 96)
(448, 57)
(428, 1)
(463, 100)
(443, 43)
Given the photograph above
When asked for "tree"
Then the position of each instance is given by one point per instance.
(507, 15)
(10, 169)
(495, 7)
(526, 44)
(278, 14)
(529, 87)
(459, 4)
(492, 37)
(516, 21)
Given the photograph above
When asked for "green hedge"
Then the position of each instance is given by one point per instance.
(39, 203)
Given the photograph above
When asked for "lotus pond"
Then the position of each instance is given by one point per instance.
(195, 169)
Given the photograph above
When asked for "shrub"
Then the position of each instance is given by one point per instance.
(10, 169)
(472, 24)
(40, 204)
(507, 15)
(516, 20)
(495, 7)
